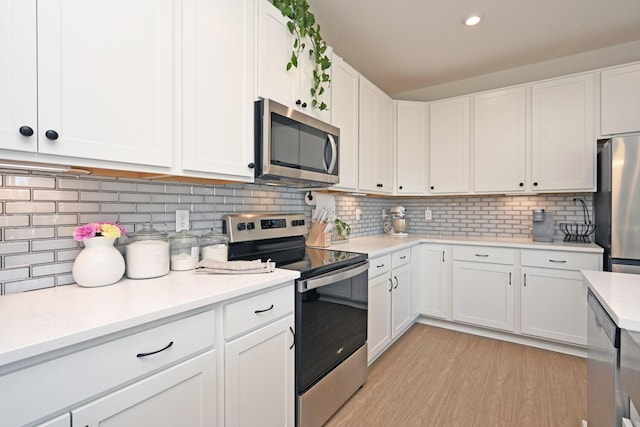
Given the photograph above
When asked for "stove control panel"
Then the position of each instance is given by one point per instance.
(248, 227)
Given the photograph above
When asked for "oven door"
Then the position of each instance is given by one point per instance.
(331, 321)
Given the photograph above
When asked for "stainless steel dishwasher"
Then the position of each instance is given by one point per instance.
(605, 403)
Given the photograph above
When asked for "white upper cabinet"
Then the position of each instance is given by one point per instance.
(275, 45)
(411, 165)
(563, 147)
(344, 115)
(620, 100)
(217, 98)
(105, 80)
(376, 139)
(18, 75)
(499, 141)
(449, 146)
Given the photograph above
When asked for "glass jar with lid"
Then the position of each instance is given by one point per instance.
(147, 253)
(184, 251)
(214, 246)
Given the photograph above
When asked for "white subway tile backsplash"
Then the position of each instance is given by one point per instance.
(15, 194)
(26, 260)
(28, 233)
(55, 195)
(29, 181)
(14, 221)
(63, 203)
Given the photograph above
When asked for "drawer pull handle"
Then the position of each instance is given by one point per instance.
(442, 256)
(525, 279)
(509, 279)
(155, 352)
(482, 255)
(559, 261)
(396, 279)
(380, 266)
(390, 285)
(262, 311)
(294, 338)
(403, 257)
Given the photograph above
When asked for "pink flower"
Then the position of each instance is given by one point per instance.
(106, 229)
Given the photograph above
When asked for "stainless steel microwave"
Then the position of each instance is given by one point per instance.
(294, 149)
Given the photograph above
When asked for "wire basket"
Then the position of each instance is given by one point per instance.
(576, 232)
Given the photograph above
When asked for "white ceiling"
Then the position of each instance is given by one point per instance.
(420, 49)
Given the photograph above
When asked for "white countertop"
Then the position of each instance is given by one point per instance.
(381, 244)
(619, 294)
(39, 321)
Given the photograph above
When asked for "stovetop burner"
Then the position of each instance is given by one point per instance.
(279, 237)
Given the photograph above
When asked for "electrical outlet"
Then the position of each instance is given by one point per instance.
(384, 213)
(427, 215)
(358, 213)
(182, 220)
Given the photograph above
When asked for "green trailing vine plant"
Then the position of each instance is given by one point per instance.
(302, 23)
(342, 228)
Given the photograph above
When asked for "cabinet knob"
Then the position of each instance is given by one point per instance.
(432, 187)
(251, 165)
(298, 102)
(51, 134)
(304, 105)
(379, 185)
(400, 187)
(535, 184)
(25, 131)
(521, 184)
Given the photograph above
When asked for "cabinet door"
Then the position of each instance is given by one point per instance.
(499, 141)
(449, 146)
(274, 52)
(217, 135)
(435, 280)
(384, 142)
(401, 300)
(379, 315)
(554, 305)
(18, 78)
(344, 115)
(411, 147)
(182, 395)
(620, 100)
(105, 80)
(562, 134)
(259, 377)
(483, 294)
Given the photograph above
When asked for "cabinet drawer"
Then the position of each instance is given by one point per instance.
(379, 265)
(258, 310)
(399, 258)
(74, 377)
(560, 259)
(484, 254)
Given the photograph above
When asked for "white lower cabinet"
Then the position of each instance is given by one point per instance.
(553, 295)
(483, 291)
(181, 395)
(390, 308)
(433, 278)
(61, 421)
(259, 363)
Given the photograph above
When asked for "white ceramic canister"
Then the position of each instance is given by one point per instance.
(147, 253)
(184, 251)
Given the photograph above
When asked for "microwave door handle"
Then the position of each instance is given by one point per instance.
(334, 153)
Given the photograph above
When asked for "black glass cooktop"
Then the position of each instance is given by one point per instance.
(292, 254)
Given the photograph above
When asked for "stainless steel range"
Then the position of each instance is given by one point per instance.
(331, 308)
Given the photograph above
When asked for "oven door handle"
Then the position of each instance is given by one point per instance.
(332, 277)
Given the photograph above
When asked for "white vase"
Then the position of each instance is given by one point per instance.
(98, 264)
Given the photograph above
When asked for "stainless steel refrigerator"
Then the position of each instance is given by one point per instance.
(617, 203)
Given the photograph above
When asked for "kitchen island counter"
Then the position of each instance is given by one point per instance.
(619, 294)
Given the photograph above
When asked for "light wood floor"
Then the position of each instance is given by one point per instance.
(437, 377)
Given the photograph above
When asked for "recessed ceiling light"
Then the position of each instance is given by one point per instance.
(472, 20)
